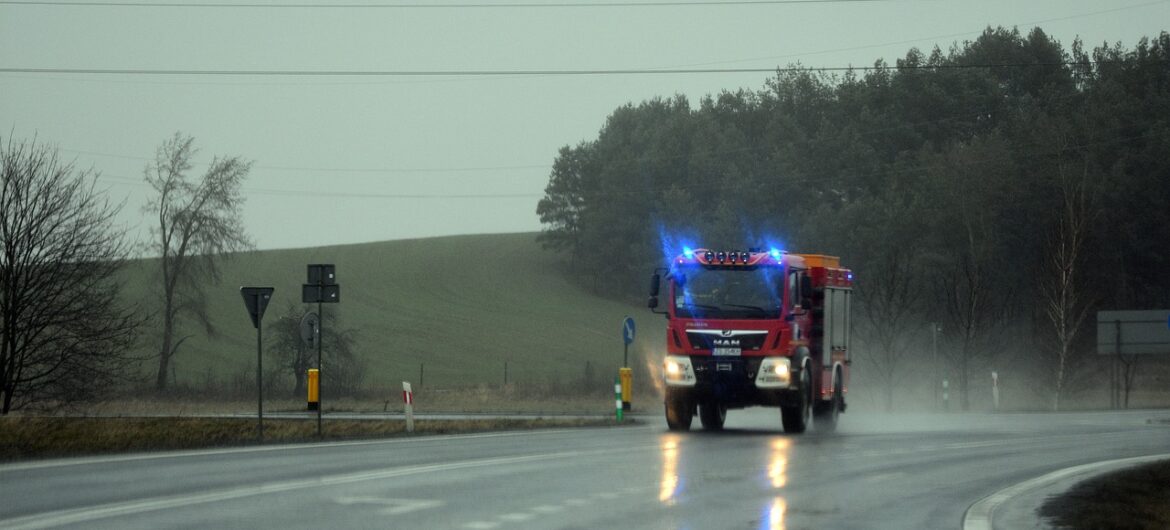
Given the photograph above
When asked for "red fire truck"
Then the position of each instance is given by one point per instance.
(755, 328)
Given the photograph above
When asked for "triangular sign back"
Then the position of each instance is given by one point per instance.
(256, 300)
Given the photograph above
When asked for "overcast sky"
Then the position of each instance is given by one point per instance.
(343, 159)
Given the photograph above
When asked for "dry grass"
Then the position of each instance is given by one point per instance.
(1135, 498)
(44, 437)
(480, 398)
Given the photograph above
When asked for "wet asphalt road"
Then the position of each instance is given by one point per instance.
(876, 471)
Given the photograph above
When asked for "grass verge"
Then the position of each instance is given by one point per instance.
(1134, 498)
(45, 437)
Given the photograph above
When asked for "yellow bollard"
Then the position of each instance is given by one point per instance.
(627, 377)
(314, 378)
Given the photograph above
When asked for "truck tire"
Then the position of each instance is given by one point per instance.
(679, 412)
(827, 412)
(712, 416)
(796, 418)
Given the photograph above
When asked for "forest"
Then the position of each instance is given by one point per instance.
(991, 198)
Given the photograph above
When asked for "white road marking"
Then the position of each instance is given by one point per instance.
(979, 515)
(547, 509)
(481, 525)
(578, 502)
(392, 506)
(264, 449)
(972, 445)
(81, 515)
(517, 517)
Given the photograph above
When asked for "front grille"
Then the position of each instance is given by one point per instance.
(707, 341)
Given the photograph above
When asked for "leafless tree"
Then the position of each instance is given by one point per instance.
(971, 299)
(63, 337)
(342, 372)
(1062, 286)
(889, 293)
(197, 222)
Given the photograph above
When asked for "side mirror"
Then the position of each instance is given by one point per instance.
(806, 290)
(655, 285)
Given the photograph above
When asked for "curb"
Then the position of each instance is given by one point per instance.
(979, 516)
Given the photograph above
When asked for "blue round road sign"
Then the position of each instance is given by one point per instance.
(628, 330)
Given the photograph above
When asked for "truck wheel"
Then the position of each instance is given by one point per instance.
(826, 414)
(712, 416)
(678, 413)
(796, 418)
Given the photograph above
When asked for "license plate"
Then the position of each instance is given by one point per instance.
(726, 351)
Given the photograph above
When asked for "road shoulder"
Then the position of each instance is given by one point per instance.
(1016, 506)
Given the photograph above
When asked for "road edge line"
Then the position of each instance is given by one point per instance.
(979, 515)
(15, 466)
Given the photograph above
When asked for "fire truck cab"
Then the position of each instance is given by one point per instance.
(755, 328)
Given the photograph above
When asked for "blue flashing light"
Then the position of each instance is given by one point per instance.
(690, 254)
(776, 254)
(850, 276)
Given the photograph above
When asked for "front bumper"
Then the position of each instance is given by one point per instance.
(735, 382)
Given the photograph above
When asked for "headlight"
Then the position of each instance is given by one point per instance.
(775, 372)
(677, 371)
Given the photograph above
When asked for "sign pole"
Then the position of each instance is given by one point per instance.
(259, 378)
(256, 301)
(625, 374)
(320, 378)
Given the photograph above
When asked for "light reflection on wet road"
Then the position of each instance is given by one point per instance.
(876, 471)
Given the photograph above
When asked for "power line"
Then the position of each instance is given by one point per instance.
(456, 169)
(491, 73)
(969, 115)
(468, 5)
(284, 192)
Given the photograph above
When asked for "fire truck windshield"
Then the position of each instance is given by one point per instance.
(726, 293)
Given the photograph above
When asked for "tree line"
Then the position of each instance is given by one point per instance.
(992, 197)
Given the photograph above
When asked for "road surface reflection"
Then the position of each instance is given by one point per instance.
(669, 485)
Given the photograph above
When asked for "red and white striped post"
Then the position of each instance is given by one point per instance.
(408, 401)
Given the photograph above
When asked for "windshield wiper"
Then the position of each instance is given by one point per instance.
(752, 307)
(704, 307)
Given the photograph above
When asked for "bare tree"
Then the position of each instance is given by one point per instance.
(63, 338)
(887, 238)
(971, 296)
(1062, 291)
(198, 221)
(342, 372)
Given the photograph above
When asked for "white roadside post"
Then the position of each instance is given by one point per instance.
(408, 401)
(995, 389)
(617, 392)
(946, 395)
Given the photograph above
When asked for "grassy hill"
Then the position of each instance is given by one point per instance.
(462, 305)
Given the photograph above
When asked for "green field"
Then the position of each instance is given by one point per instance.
(462, 305)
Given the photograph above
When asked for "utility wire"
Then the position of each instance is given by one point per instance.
(839, 175)
(467, 5)
(968, 115)
(486, 73)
